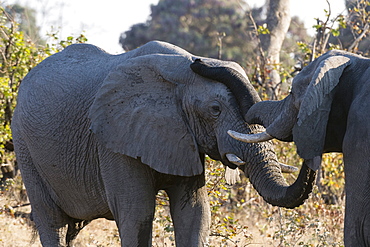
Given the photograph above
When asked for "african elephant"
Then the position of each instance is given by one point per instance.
(97, 135)
(327, 111)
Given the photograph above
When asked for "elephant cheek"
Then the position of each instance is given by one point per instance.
(231, 151)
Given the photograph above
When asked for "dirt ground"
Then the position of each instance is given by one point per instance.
(254, 223)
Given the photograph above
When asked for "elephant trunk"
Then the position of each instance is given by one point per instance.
(278, 117)
(265, 112)
(271, 185)
(265, 174)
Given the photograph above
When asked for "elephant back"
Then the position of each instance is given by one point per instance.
(62, 85)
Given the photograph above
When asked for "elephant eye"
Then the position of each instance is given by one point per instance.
(215, 109)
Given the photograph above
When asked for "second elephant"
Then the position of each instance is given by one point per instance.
(328, 111)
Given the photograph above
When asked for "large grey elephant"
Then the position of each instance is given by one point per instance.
(97, 135)
(328, 111)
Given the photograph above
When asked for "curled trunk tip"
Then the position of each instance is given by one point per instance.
(268, 180)
(294, 195)
(265, 173)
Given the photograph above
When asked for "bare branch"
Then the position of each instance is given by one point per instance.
(359, 38)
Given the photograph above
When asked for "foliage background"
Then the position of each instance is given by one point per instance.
(239, 216)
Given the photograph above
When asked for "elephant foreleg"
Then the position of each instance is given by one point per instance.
(190, 211)
(131, 197)
(135, 219)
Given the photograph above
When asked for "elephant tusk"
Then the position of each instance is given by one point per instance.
(235, 159)
(238, 162)
(287, 168)
(250, 138)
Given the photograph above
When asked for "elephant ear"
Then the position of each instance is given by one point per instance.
(310, 130)
(136, 113)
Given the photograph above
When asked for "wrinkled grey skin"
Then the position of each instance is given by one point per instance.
(328, 111)
(97, 135)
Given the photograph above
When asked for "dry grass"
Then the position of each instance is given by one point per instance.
(242, 220)
(240, 217)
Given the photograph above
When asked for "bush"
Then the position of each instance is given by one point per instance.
(18, 55)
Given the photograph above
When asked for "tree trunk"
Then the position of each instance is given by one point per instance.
(278, 21)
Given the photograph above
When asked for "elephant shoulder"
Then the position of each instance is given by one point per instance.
(158, 47)
(83, 49)
(76, 56)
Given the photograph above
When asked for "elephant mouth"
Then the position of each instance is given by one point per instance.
(231, 160)
(228, 159)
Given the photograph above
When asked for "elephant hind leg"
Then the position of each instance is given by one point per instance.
(50, 220)
(74, 228)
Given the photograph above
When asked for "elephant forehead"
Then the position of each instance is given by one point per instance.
(208, 89)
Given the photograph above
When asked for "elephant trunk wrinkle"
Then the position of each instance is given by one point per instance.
(264, 172)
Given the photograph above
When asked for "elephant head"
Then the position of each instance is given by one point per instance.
(303, 115)
(155, 108)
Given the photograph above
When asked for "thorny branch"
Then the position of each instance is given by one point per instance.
(360, 37)
(260, 49)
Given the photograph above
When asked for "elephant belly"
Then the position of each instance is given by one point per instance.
(72, 176)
